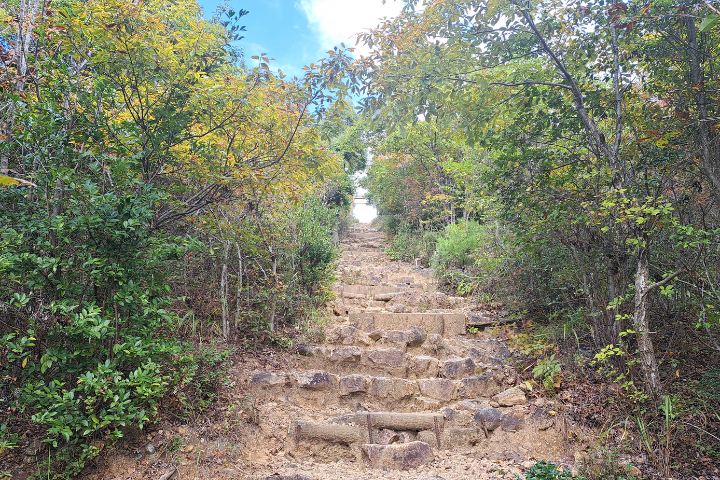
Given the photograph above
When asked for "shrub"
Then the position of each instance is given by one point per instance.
(549, 471)
(457, 246)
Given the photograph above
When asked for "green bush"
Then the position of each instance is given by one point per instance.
(456, 248)
(549, 471)
(409, 244)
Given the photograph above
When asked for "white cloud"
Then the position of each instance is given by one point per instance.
(336, 21)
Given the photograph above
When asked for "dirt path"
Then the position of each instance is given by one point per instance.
(395, 388)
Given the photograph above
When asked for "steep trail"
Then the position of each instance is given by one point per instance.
(397, 388)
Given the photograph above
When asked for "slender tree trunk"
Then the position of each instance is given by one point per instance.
(709, 165)
(224, 293)
(238, 292)
(26, 17)
(274, 271)
(651, 375)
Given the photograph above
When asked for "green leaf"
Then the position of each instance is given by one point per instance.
(709, 22)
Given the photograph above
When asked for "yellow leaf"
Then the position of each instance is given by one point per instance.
(5, 180)
(552, 412)
(24, 362)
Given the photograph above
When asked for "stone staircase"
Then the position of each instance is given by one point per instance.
(400, 384)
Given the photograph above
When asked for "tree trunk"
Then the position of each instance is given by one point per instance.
(26, 17)
(648, 362)
(238, 291)
(709, 165)
(224, 294)
(274, 271)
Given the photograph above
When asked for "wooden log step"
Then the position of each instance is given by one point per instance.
(330, 432)
(400, 421)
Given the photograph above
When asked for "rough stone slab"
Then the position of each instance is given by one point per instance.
(390, 357)
(315, 380)
(477, 386)
(454, 324)
(438, 388)
(400, 421)
(330, 432)
(386, 297)
(457, 368)
(353, 384)
(490, 417)
(346, 354)
(395, 388)
(445, 324)
(268, 379)
(354, 296)
(402, 456)
(511, 397)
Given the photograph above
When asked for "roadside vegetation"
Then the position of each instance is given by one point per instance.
(558, 161)
(161, 204)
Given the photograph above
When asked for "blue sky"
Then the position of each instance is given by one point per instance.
(297, 32)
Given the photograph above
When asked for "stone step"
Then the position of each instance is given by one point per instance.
(448, 428)
(417, 394)
(444, 324)
(372, 291)
(393, 361)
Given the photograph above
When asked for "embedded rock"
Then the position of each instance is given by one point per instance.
(511, 397)
(386, 437)
(511, 422)
(415, 336)
(457, 368)
(353, 384)
(317, 380)
(477, 386)
(424, 366)
(489, 417)
(390, 357)
(268, 379)
(399, 456)
(438, 388)
(470, 405)
(346, 354)
(394, 388)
